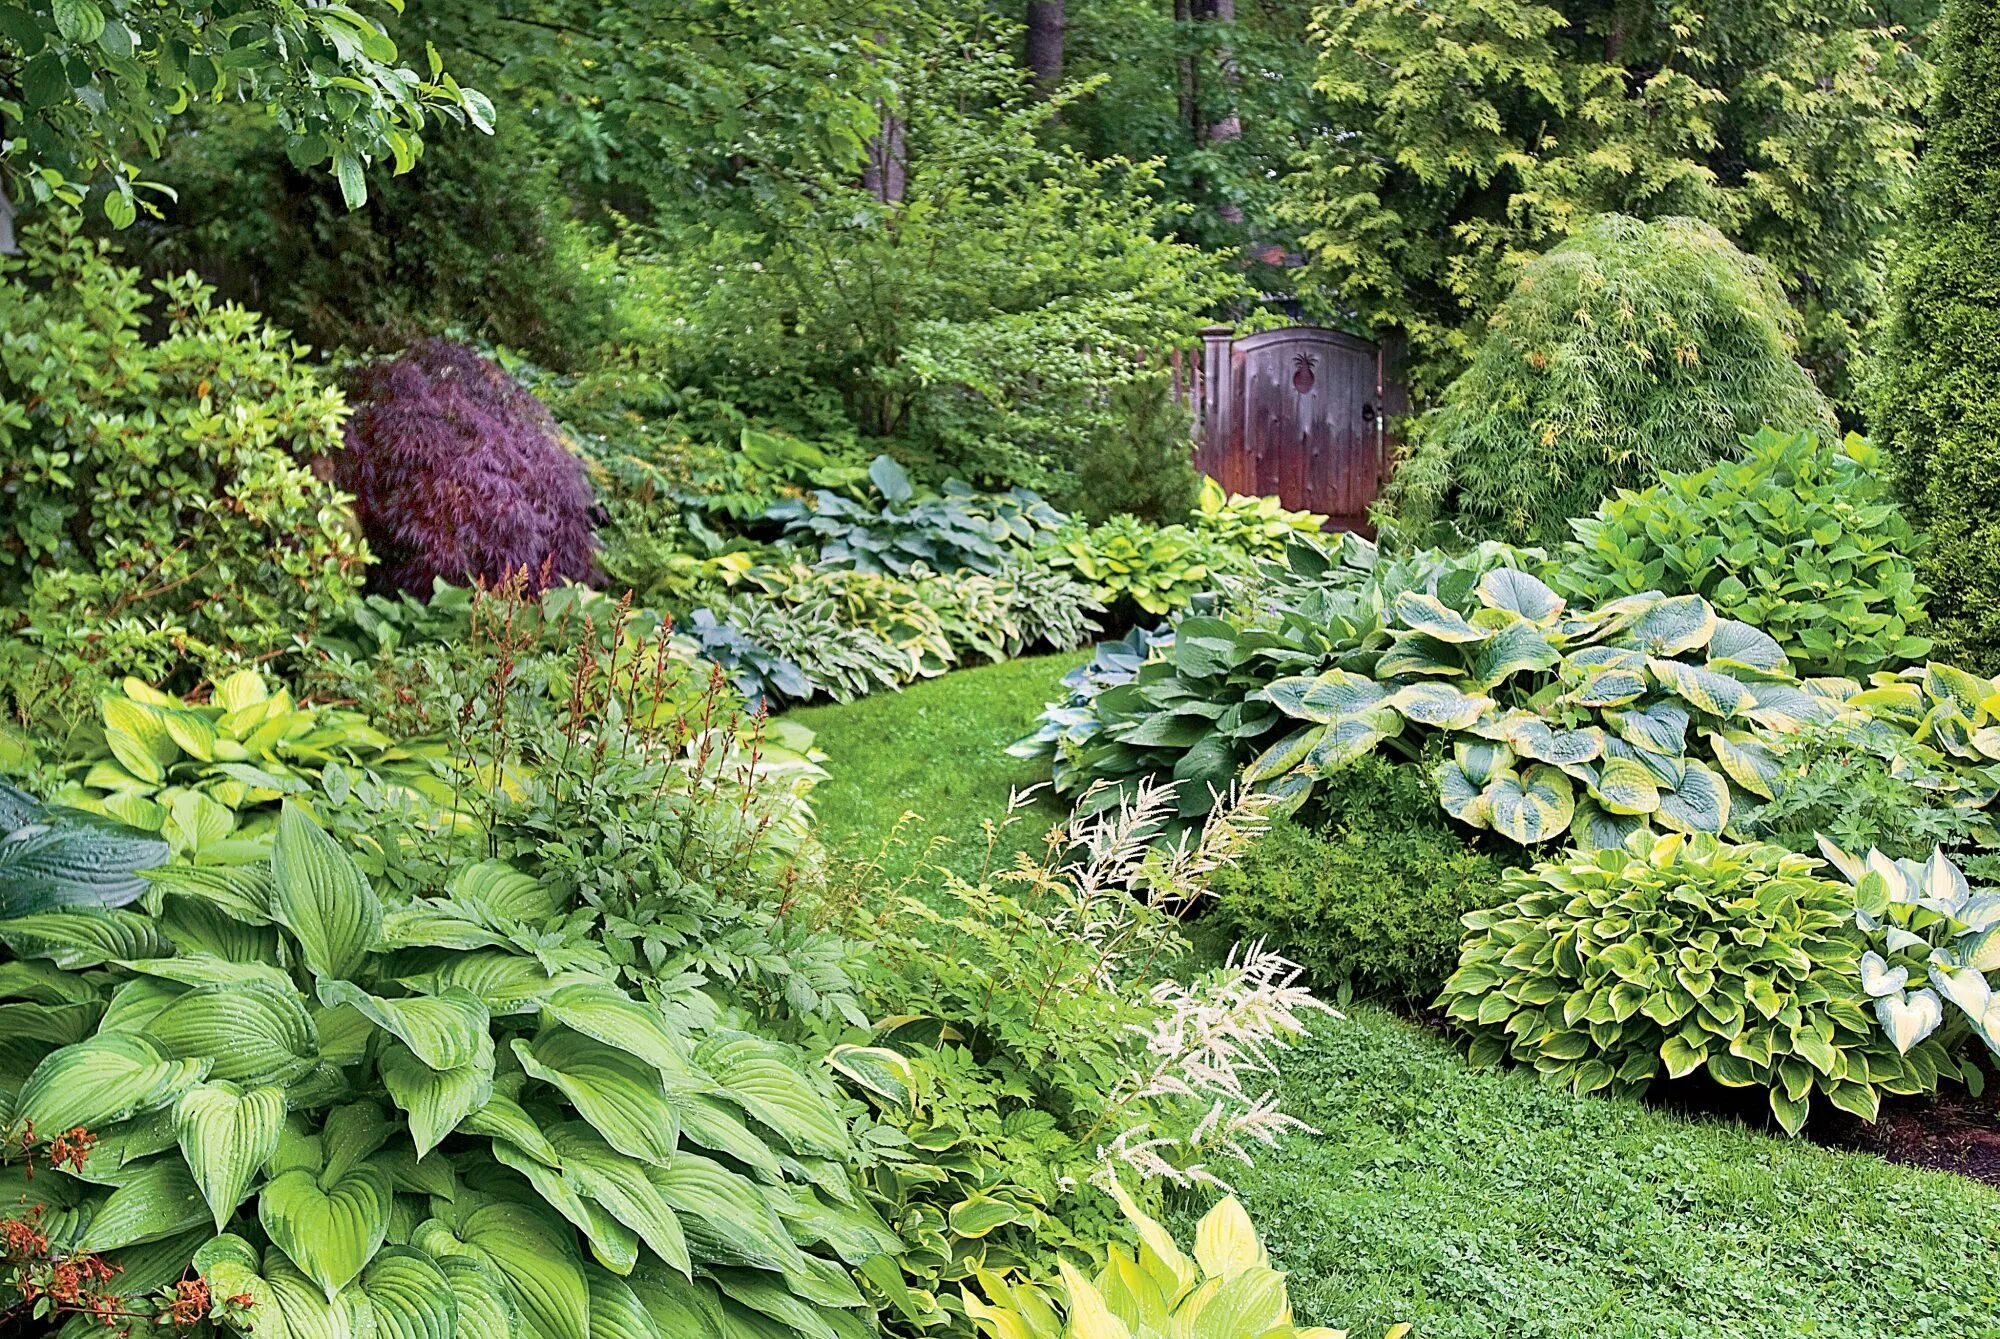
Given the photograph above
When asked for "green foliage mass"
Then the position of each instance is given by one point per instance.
(1368, 894)
(1677, 954)
(162, 518)
(1797, 538)
(1629, 350)
(1139, 462)
(1934, 402)
(1480, 133)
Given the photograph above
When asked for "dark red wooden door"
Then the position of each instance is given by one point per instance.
(1297, 414)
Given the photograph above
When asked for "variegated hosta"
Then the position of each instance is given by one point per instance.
(1227, 1291)
(443, 1118)
(1673, 954)
(1934, 946)
(208, 778)
(1647, 713)
(1937, 725)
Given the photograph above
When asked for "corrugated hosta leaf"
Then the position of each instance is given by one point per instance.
(1656, 727)
(1597, 829)
(241, 892)
(503, 1118)
(445, 1031)
(285, 1303)
(1336, 695)
(250, 1033)
(534, 1252)
(759, 1076)
(98, 1082)
(1348, 739)
(621, 1096)
(1703, 689)
(1626, 787)
(1966, 692)
(159, 1200)
(1481, 762)
(1699, 804)
(1738, 646)
(1518, 648)
(330, 1232)
(137, 737)
(79, 863)
(615, 1310)
(1463, 797)
(226, 1135)
(612, 1244)
(497, 892)
(1512, 589)
(1672, 627)
(1531, 808)
(1418, 653)
(679, 1308)
(1431, 616)
(1786, 709)
(403, 1294)
(321, 896)
(485, 1305)
(726, 1219)
(84, 937)
(505, 981)
(1747, 761)
(1281, 757)
(1438, 705)
(429, 925)
(1567, 749)
(1607, 688)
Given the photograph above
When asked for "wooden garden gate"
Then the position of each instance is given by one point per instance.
(1302, 413)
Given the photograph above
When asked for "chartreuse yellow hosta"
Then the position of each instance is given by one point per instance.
(208, 777)
(1228, 1290)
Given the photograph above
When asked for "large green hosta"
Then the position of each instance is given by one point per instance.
(437, 1119)
(1649, 713)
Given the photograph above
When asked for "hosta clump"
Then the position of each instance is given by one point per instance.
(1676, 954)
(890, 608)
(1932, 942)
(459, 473)
(1158, 569)
(960, 529)
(1242, 529)
(444, 1117)
(1799, 538)
(208, 777)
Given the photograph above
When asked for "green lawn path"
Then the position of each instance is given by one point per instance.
(1486, 1204)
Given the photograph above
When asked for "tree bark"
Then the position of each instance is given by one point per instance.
(8, 246)
(887, 175)
(1046, 24)
(1227, 124)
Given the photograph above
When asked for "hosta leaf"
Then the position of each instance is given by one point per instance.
(1699, 804)
(137, 737)
(503, 1118)
(1703, 689)
(330, 1232)
(1463, 796)
(1438, 705)
(716, 1125)
(1737, 645)
(241, 892)
(1518, 648)
(74, 864)
(1283, 756)
(760, 1076)
(1512, 589)
(1333, 696)
(620, 1095)
(430, 925)
(84, 937)
(403, 1294)
(1481, 762)
(609, 1015)
(445, 1031)
(485, 1304)
(437, 1100)
(1533, 808)
(1908, 1019)
(682, 1309)
(1420, 654)
(1786, 709)
(877, 1069)
(100, 1082)
(158, 1201)
(497, 892)
(1672, 626)
(1429, 615)
(1966, 692)
(226, 1135)
(614, 1245)
(504, 981)
(1607, 688)
(1567, 749)
(1346, 740)
(726, 1220)
(321, 896)
(250, 1033)
(622, 1186)
(284, 1302)
(768, 1296)
(1657, 727)
(1626, 787)
(1748, 762)
(535, 1255)
(1595, 828)
(615, 1310)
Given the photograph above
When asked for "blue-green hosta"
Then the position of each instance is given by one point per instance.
(208, 777)
(441, 1118)
(1672, 954)
(55, 858)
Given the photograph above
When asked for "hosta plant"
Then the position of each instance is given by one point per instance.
(1933, 949)
(208, 777)
(959, 529)
(1160, 569)
(1053, 609)
(1228, 1290)
(892, 608)
(1673, 954)
(52, 857)
(443, 1117)
(1243, 529)
(1800, 538)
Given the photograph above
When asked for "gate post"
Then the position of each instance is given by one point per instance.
(1218, 397)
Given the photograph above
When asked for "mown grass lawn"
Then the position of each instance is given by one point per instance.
(1477, 1203)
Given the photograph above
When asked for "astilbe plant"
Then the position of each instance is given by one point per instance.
(459, 473)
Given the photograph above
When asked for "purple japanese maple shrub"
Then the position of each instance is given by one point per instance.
(458, 471)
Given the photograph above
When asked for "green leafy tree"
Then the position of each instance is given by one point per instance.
(1937, 400)
(1477, 133)
(1629, 350)
(88, 88)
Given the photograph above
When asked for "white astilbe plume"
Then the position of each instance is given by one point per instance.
(1202, 1053)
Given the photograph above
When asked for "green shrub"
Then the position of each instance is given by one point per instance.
(1675, 954)
(1800, 540)
(161, 516)
(1371, 895)
(1140, 461)
(1936, 401)
(1629, 350)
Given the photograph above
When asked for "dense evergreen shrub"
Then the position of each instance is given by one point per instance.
(1937, 398)
(1369, 894)
(1800, 538)
(459, 473)
(1139, 461)
(1631, 349)
(154, 507)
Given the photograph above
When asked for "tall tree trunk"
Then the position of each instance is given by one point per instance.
(7, 245)
(1046, 23)
(1225, 124)
(886, 177)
